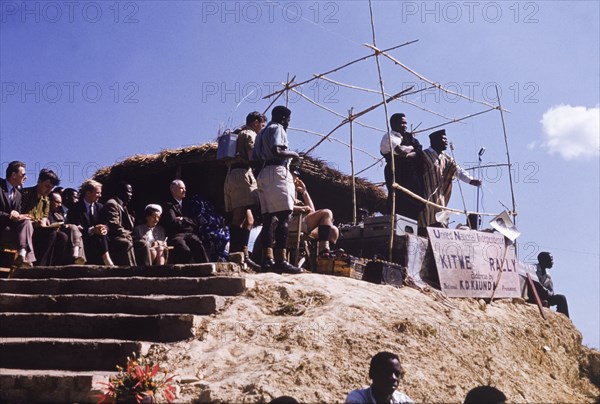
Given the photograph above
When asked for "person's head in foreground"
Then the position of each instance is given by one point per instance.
(485, 395)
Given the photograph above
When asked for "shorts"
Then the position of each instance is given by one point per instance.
(276, 190)
(293, 225)
(240, 189)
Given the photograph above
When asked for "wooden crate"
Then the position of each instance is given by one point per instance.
(351, 267)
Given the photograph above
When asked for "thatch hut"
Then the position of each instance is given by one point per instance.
(150, 176)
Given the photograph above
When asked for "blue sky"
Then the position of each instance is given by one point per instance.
(87, 84)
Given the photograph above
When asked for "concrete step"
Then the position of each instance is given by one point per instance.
(156, 328)
(50, 386)
(154, 304)
(137, 286)
(66, 354)
(95, 271)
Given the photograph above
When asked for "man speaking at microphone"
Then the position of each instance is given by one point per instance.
(439, 170)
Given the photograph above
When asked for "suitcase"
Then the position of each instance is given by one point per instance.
(385, 273)
(379, 226)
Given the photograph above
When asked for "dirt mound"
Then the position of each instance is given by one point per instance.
(312, 336)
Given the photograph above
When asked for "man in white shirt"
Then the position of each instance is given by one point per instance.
(385, 372)
(405, 150)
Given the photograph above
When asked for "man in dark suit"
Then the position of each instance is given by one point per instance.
(49, 245)
(85, 214)
(120, 227)
(178, 220)
(74, 251)
(15, 228)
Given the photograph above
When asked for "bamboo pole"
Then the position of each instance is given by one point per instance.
(368, 90)
(335, 140)
(387, 124)
(361, 113)
(286, 85)
(487, 166)
(352, 167)
(455, 120)
(512, 191)
(316, 76)
(435, 205)
(287, 92)
(332, 111)
(462, 196)
(316, 103)
(425, 79)
(365, 169)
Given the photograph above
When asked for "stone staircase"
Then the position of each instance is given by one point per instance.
(63, 329)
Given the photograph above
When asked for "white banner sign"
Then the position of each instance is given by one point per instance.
(473, 264)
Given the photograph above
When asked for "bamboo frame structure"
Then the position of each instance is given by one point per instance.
(512, 191)
(290, 85)
(387, 124)
(337, 69)
(352, 167)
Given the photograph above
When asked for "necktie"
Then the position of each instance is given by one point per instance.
(92, 221)
(11, 198)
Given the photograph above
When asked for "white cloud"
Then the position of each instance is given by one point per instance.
(572, 131)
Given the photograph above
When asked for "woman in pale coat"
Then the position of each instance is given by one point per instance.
(151, 235)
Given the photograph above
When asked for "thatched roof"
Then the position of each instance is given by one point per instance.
(151, 174)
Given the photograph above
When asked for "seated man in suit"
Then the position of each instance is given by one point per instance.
(74, 247)
(48, 244)
(85, 214)
(120, 227)
(16, 228)
(181, 226)
(69, 198)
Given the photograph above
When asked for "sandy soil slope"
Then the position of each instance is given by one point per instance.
(312, 336)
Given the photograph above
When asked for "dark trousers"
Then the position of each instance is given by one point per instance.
(121, 251)
(560, 301)
(49, 246)
(95, 246)
(405, 205)
(187, 249)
